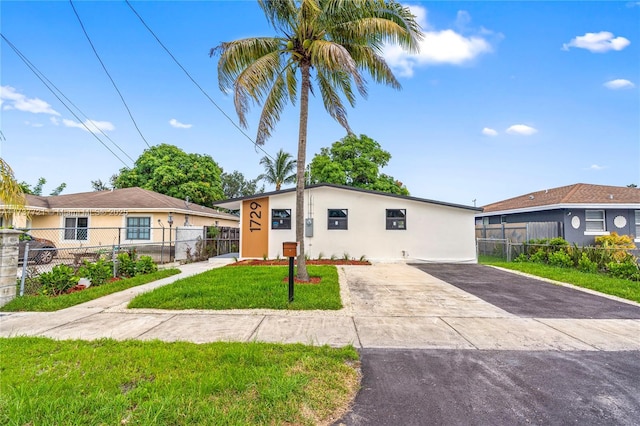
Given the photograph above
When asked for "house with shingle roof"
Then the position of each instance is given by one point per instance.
(139, 213)
(582, 211)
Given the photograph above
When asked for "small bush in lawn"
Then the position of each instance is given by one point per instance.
(587, 265)
(521, 258)
(145, 265)
(98, 273)
(126, 266)
(628, 269)
(616, 241)
(558, 242)
(540, 256)
(561, 259)
(60, 279)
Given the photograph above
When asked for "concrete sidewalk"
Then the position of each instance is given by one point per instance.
(385, 306)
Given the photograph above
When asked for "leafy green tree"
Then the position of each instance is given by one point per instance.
(355, 161)
(334, 41)
(11, 194)
(99, 185)
(280, 171)
(168, 170)
(37, 188)
(235, 185)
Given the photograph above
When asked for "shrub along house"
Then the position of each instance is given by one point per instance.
(120, 216)
(343, 221)
(581, 211)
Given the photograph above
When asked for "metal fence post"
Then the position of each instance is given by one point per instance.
(24, 268)
(114, 257)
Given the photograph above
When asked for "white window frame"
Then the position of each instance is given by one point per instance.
(603, 221)
(137, 229)
(75, 228)
(637, 238)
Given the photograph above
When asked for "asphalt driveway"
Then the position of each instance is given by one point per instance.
(449, 387)
(503, 387)
(528, 297)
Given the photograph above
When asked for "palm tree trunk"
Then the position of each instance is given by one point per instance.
(302, 275)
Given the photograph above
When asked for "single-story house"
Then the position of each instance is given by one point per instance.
(343, 221)
(582, 211)
(138, 215)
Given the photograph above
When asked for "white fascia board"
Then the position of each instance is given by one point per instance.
(124, 210)
(609, 206)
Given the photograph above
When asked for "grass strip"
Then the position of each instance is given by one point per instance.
(245, 287)
(107, 382)
(626, 289)
(47, 303)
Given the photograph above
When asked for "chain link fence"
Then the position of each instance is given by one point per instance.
(41, 249)
(505, 249)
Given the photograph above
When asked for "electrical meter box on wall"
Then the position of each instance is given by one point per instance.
(308, 227)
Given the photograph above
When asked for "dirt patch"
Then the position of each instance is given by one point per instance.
(285, 262)
(312, 280)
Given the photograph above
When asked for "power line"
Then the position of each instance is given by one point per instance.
(108, 75)
(44, 80)
(24, 58)
(256, 145)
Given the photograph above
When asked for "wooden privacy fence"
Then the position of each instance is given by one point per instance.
(519, 232)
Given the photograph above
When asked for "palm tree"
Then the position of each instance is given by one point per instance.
(334, 39)
(11, 194)
(282, 170)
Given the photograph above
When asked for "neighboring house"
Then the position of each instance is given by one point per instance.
(582, 211)
(345, 221)
(140, 214)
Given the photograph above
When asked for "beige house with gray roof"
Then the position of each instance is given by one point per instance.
(140, 214)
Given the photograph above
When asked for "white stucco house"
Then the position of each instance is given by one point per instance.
(342, 220)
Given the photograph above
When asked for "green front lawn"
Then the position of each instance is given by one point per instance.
(105, 382)
(626, 289)
(49, 303)
(245, 287)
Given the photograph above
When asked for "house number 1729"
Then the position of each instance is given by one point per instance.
(255, 217)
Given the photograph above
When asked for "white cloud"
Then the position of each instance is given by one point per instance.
(28, 123)
(11, 99)
(94, 126)
(596, 167)
(489, 132)
(521, 129)
(438, 47)
(619, 83)
(178, 125)
(54, 121)
(598, 42)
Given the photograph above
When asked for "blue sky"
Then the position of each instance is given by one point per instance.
(504, 98)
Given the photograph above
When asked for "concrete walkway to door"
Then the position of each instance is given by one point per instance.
(385, 306)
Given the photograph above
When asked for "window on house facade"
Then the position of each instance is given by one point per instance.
(138, 228)
(76, 228)
(338, 219)
(637, 225)
(281, 219)
(594, 221)
(397, 219)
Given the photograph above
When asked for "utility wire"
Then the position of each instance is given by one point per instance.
(24, 58)
(256, 145)
(108, 75)
(43, 80)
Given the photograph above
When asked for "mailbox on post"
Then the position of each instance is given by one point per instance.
(290, 250)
